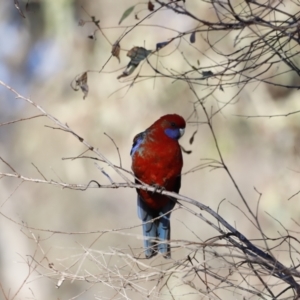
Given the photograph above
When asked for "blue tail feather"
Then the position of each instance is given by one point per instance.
(164, 230)
(158, 231)
(149, 229)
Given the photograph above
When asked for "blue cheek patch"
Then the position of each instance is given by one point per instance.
(173, 133)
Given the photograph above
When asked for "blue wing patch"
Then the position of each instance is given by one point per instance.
(137, 141)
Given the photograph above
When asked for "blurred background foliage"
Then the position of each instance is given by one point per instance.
(40, 56)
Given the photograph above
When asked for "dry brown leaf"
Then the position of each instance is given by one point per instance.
(150, 6)
(116, 50)
(82, 83)
(137, 54)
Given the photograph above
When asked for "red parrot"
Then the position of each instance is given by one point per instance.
(157, 160)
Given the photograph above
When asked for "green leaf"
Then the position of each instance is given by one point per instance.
(126, 13)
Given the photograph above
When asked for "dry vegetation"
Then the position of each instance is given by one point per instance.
(68, 215)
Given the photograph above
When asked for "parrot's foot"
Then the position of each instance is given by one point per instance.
(158, 189)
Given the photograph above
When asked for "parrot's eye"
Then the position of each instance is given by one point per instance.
(173, 124)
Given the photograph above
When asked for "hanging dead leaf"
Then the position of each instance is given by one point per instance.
(81, 82)
(95, 21)
(150, 6)
(192, 137)
(207, 74)
(185, 151)
(161, 45)
(116, 50)
(193, 37)
(137, 54)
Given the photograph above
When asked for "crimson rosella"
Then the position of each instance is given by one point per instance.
(157, 161)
